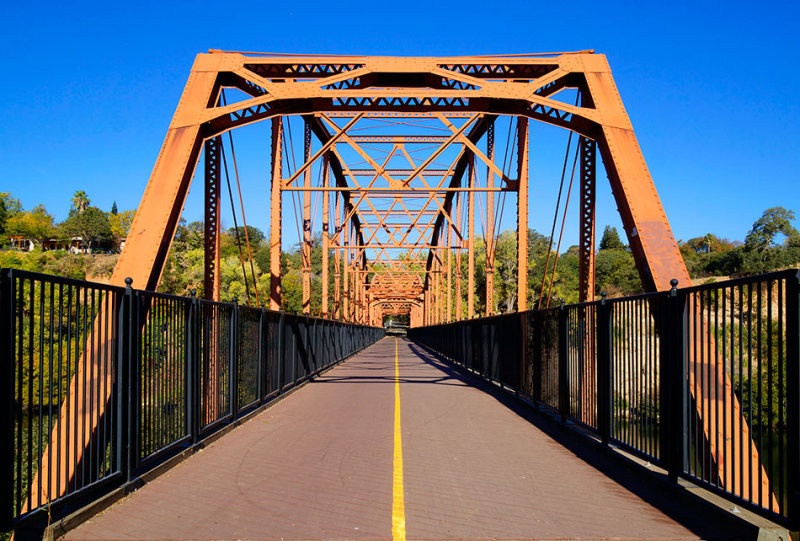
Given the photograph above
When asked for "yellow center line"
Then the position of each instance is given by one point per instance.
(398, 500)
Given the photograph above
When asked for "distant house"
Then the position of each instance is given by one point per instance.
(55, 244)
(74, 245)
(20, 243)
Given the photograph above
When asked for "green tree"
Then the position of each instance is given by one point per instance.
(505, 271)
(262, 259)
(91, 226)
(615, 273)
(36, 225)
(610, 239)
(761, 251)
(114, 207)
(188, 236)
(80, 202)
(9, 207)
(710, 255)
(120, 223)
(255, 235)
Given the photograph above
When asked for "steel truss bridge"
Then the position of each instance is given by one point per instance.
(403, 163)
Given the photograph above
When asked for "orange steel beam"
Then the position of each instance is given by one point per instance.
(275, 216)
(587, 226)
(459, 312)
(449, 285)
(211, 235)
(489, 236)
(337, 264)
(346, 272)
(471, 245)
(409, 193)
(522, 214)
(306, 251)
(325, 237)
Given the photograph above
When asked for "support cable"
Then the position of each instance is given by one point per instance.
(244, 219)
(292, 167)
(502, 198)
(555, 214)
(235, 224)
(563, 221)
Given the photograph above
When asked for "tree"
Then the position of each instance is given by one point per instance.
(120, 223)
(610, 239)
(36, 225)
(615, 273)
(9, 207)
(91, 226)
(188, 237)
(262, 258)
(710, 255)
(761, 251)
(255, 235)
(505, 271)
(114, 207)
(80, 201)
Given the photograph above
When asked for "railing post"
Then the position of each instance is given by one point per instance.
(7, 397)
(295, 340)
(307, 346)
(536, 361)
(130, 370)
(281, 348)
(262, 356)
(233, 375)
(563, 377)
(673, 352)
(793, 398)
(605, 389)
(122, 383)
(192, 368)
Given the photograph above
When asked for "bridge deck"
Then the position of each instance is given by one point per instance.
(319, 465)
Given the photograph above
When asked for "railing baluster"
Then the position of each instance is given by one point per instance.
(793, 399)
(605, 389)
(7, 342)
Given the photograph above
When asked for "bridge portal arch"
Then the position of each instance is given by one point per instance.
(476, 89)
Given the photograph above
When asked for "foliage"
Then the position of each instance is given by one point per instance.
(761, 251)
(610, 239)
(763, 398)
(262, 258)
(80, 201)
(9, 207)
(120, 224)
(36, 224)
(188, 237)
(255, 235)
(616, 274)
(505, 271)
(91, 225)
(60, 263)
(772, 243)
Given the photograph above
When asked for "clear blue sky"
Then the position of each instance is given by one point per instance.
(89, 88)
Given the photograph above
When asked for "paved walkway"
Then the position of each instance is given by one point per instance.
(319, 465)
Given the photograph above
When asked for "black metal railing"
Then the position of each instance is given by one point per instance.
(703, 381)
(100, 384)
